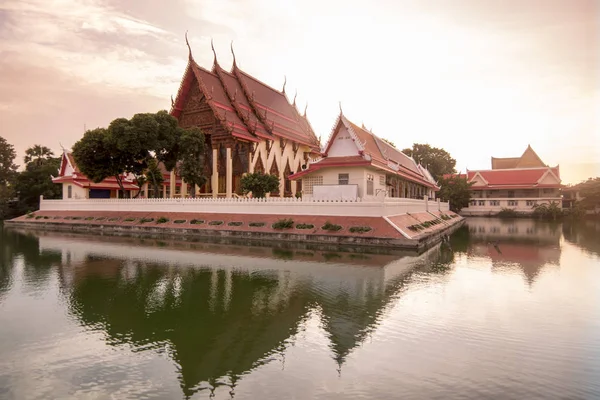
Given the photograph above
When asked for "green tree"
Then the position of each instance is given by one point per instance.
(36, 179)
(191, 154)
(259, 184)
(438, 161)
(154, 177)
(456, 190)
(38, 154)
(590, 191)
(126, 147)
(8, 171)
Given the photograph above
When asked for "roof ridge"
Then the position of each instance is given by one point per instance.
(259, 81)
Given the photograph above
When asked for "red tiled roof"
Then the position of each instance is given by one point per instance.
(105, 185)
(514, 177)
(245, 106)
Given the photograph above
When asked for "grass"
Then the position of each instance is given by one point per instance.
(215, 223)
(256, 224)
(162, 220)
(197, 221)
(235, 223)
(360, 229)
(331, 227)
(305, 226)
(286, 223)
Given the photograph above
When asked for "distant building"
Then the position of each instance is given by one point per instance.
(358, 164)
(517, 183)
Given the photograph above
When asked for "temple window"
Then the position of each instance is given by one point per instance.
(343, 179)
(311, 181)
(69, 191)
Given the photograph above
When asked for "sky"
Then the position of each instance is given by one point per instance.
(479, 78)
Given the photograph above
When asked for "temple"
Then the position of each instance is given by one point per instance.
(249, 127)
(358, 164)
(518, 184)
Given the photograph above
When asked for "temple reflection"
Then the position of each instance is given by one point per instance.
(221, 310)
(526, 244)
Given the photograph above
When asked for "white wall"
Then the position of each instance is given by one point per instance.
(277, 206)
(521, 206)
(77, 192)
(342, 145)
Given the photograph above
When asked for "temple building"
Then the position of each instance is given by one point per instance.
(249, 127)
(75, 185)
(358, 164)
(518, 183)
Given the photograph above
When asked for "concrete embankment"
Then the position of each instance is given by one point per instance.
(416, 231)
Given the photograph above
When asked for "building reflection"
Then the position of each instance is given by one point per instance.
(526, 244)
(220, 311)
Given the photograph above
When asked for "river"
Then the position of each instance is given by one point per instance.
(505, 310)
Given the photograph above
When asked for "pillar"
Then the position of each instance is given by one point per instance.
(183, 188)
(229, 173)
(172, 183)
(164, 194)
(426, 200)
(196, 190)
(214, 183)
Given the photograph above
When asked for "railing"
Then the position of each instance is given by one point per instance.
(278, 206)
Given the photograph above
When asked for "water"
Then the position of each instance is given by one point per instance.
(509, 310)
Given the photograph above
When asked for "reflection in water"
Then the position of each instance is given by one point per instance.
(235, 320)
(524, 244)
(218, 310)
(585, 234)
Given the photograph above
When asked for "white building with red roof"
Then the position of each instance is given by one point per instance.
(358, 164)
(517, 183)
(75, 185)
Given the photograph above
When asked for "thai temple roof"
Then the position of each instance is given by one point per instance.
(246, 107)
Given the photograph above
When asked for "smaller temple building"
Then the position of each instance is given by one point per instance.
(358, 164)
(75, 185)
(518, 183)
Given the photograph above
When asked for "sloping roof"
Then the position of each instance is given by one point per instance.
(503, 178)
(529, 159)
(372, 151)
(79, 179)
(246, 107)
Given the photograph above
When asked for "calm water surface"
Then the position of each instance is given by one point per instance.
(509, 310)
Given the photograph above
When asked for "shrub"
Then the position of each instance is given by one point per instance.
(30, 215)
(89, 218)
(235, 223)
(331, 227)
(179, 221)
(113, 219)
(162, 220)
(256, 224)
(507, 213)
(259, 184)
(283, 224)
(360, 229)
(445, 217)
(215, 223)
(100, 219)
(144, 220)
(76, 218)
(196, 221)
(38, 217)
(57, 217)
(305, 226)
(129, 219)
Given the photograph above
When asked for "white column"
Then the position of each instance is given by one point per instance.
(172, 184)
(215, 174)
(229, 174)
(183, 188)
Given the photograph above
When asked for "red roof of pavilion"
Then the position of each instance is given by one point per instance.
(515, 178)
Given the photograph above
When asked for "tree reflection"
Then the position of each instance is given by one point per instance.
(584, 234)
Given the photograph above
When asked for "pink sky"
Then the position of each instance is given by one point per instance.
(479, 78)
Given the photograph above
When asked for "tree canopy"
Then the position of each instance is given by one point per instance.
(590, 191)
(259, 184)
(8, 172)
(438, 161)
(456, 190)
(127, 146)
(36, 179)
(191, 155)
